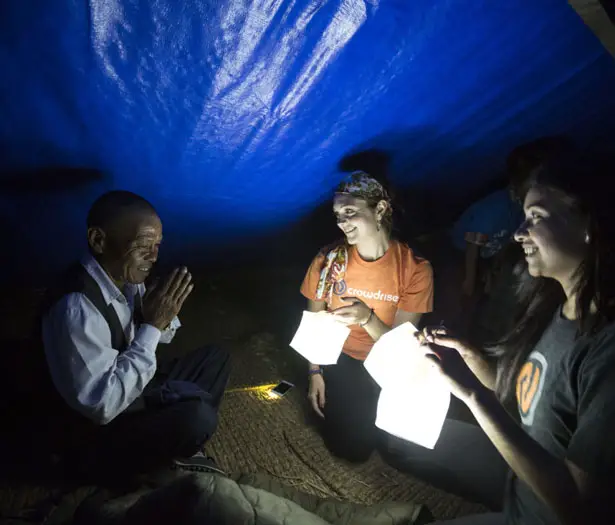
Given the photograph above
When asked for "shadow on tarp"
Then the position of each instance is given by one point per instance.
(445, 188)
(374, 161)
(420, 208)
(37, 204)
(55, 179)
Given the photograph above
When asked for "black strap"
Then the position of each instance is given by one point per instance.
(137, 314)
(77, 279)
(93, 292)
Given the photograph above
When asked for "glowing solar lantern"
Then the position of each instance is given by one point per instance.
(395, 356)
(414, 399)
(320, 338)
(415, 414)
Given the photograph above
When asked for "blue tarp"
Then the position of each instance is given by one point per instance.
(232, 116)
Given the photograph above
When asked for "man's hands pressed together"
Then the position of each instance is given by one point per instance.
(162, 302)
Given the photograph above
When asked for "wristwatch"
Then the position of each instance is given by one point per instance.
(315, 371)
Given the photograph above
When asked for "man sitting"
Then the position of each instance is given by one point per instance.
(119, 411)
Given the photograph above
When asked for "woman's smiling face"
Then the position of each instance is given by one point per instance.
(553, 235)
(355, 218)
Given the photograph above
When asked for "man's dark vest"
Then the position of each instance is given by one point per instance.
(78, 280)
(66, 425)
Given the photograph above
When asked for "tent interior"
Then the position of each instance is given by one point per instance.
(237, 120)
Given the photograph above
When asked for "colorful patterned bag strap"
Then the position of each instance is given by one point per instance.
(333, 271)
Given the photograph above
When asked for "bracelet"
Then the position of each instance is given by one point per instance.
(315, 371)
(371, 314)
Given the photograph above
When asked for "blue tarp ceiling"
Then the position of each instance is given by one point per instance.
(231, 117)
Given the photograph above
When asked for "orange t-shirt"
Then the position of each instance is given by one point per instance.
(398, 280)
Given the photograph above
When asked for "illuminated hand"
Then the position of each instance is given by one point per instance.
(440, 336)
(357, 312)
(162, 302)
(449, 360)
(316, 393)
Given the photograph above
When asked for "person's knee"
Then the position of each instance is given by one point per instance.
(404, 455)
(197, 422)
(217, 357)
(223, 357)
(215, 353)
(351, 448)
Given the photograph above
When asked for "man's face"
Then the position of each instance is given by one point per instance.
(129, 248)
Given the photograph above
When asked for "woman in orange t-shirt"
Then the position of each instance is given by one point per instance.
(371, 283)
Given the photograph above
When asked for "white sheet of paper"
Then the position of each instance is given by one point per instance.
(414, 399)
(320, 338)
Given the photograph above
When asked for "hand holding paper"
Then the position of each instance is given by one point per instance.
(397, 358)
(355, 311)
(414, 400)
(320, 338)
(456, 374)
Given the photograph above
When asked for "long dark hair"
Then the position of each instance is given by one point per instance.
(585, 187)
